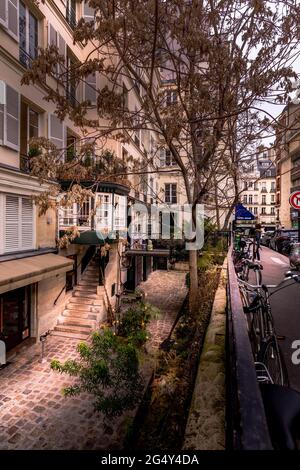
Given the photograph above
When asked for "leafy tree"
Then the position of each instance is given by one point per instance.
(108, 369)
(134, 321)
(221, 59)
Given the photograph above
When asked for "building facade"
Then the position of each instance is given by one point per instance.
(258, 192)
(36, 275)
(287, 164)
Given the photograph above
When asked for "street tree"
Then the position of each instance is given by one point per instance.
(198, 66)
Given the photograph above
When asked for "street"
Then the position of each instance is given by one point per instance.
(285, 308)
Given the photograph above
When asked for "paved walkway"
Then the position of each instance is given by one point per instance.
(35, 415)
(166, 290)
(33, 412)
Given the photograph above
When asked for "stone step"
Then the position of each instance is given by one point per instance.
(87, 283)
(74, 329)
(83, 308)
(80, 301)
(89, 278)
(89, 288)
(66, 334)
(79, 314)
(83, 301)
(84, 295)
(71, 321)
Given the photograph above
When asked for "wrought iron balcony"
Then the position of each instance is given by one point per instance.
(25, 163)
(26, 59)
(71, 17)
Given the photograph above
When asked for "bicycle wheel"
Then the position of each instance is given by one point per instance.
(254, 325)
(271, 355)
(258, 277)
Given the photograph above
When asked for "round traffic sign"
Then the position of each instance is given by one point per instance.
(295, 200)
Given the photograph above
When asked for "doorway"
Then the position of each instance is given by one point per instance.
(15, 316)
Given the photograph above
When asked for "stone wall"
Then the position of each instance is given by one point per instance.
(46, 229)
(112, 275)
(205, 428)
(47, 312)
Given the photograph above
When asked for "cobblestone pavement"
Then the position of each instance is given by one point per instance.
(166, 290)
(33, 412)
(35, 415)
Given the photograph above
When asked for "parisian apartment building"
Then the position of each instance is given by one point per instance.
(258, 187)
(42, 286)
(287, 164)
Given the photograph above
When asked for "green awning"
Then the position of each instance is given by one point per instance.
(89, 237)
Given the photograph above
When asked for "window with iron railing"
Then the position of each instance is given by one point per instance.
(71, 83)
(28, 36)
(71, 13)
(29, 129)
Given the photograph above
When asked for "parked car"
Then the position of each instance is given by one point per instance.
(295, 256)
(266, 237)
(283, 235)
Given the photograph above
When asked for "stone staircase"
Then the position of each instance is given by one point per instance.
(85, 309)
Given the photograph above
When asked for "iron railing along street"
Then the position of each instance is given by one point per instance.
(247, 427)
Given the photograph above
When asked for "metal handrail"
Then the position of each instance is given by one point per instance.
(55, 301)
(247, 424)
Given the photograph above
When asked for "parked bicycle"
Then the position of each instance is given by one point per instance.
(247, 249)
(269, 361)
(281, 403)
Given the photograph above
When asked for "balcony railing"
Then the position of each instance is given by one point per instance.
(71, 96)
(25, 164)
(80, 221)
(245, 430)
(27, 59)
(71, 17)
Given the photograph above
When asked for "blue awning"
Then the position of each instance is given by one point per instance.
(241, 213)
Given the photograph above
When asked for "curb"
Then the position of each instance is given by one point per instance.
(205, 429)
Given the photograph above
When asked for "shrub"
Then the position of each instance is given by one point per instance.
(133, 324)
(108, 369)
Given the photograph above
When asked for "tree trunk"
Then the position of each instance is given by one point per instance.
(193, 292)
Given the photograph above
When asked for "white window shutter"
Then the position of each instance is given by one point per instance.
(52, 35)
(88, 12)
(13, 18)
(62, 51)
(162, 156)
(3, 12)
(12, 227)
(56, 131)
(90, 88)
(12, 119)
(27, 223)
(1, 123)
(2, 103)
(53, 40)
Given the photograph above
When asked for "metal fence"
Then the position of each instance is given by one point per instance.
(246, 421)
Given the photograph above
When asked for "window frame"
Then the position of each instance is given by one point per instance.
(4, 22)
(19, 215)
(5, 142)
(26, 51)
(172, 195)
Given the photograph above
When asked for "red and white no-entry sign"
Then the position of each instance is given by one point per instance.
(295, 200)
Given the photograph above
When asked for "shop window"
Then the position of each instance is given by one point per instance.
(15, 316)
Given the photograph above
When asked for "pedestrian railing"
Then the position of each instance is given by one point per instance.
(246, 421)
